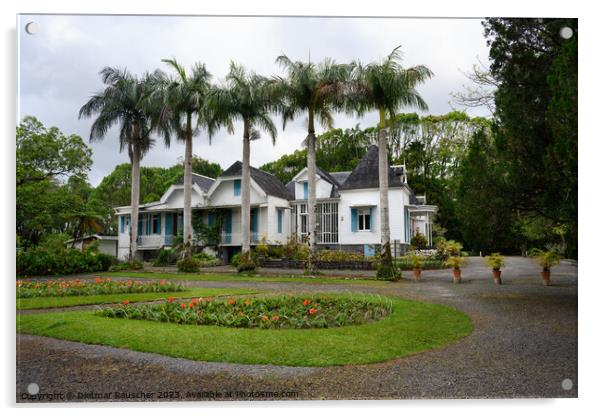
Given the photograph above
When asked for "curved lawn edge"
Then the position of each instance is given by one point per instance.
(412, 327)
(51, 302)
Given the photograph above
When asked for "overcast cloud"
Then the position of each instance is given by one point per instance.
(59, 66)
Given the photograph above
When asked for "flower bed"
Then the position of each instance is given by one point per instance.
(293, 312)
(100, 286)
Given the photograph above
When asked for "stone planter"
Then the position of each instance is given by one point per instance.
(417, 273)
(545, 275)
(457, 275)
(497, 277)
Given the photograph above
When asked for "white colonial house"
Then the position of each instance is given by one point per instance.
(348, 216)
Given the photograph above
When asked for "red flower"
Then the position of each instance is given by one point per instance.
(312, 311)
(231, 301)
(170, 299)
(183, 305)
(264, 318)
(275, 318)
(125, 302)
(162, 282)
(306, 302)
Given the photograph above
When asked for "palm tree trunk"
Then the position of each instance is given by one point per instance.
(245, 203)
(383, 184)
(187, 220)
(311, 185)
(135, 199)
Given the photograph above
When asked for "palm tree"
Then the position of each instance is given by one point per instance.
(385, 87)
(248, 98)
(315, 90)
(123, 102)
(182, 100)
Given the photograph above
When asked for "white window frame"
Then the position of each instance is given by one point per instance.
(362, 214)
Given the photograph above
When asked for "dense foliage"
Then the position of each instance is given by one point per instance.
(53, 258)
(263, 312)
(99, 286)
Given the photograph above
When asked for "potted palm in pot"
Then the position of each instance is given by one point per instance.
(496, 262)
(546, 259)
(417, 262)
(456, 262)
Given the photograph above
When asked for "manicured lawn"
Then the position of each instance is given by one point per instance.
(242, 278)
(63, 301)
(412, 327)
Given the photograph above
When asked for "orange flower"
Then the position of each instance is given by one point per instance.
(183, 305)
(312, 311)
(170, 299)
(162, 282)
(125, 302)
(306, 302)
(231, 301)
(247, 302)
(264, 318)
(275, 318)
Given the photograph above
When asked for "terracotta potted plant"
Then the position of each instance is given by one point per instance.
(546, 259)
(417, 262)
(456, 262)
(496, 262)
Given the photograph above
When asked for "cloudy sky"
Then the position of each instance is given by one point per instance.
(59, 65)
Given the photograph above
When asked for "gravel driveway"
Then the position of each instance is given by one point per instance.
(524, 344)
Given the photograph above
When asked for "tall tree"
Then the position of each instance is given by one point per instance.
(315, 90)
(247, 98)
(123, 102)
(182, 101)
(386, 86)
(535, 124)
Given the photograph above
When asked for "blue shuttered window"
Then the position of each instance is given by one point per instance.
(168, 220)
(210, 218)
(305, 190)
(159, 223)
(353, 219)
(228, 222)
(406, 222)
(122, 224)
(254, 220)
(280, 220)
(236, 187)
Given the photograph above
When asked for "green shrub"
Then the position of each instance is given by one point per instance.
(162, 259)
(276, 252)
(339, 256)
(188, 265)
(295, 250)
(246, 262)
(495, 261)
(453, 248)
(262, 249)
(419, 241)
(127, 265)
(53, 258)
(202, 256)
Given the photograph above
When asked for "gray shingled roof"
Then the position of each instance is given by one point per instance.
(365, 174)
(340, 177)
(201, 181)
(329, 177)
(266, 181)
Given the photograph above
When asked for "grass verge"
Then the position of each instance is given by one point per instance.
(244, 278)
(64, 301)
(412, 327)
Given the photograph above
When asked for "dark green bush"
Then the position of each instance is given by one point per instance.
(56, 260)
(419, 241)
(162, 259)
(127, 265)
(246, 263)
(188, 265)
